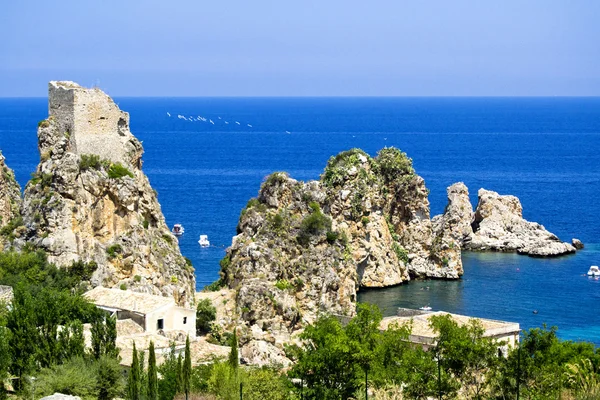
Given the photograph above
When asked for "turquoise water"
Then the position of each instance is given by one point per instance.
(543, 150)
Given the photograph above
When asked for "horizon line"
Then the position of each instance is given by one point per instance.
(318, 96)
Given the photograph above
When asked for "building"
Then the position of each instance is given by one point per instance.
(423, 335)
(155, 314)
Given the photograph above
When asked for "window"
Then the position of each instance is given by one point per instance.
(160, 324)
(184, 320)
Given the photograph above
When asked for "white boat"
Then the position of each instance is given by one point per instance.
(426, 308)
(594, 271)
(178, 230)
(204, 241)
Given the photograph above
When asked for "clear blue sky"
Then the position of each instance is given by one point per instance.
(299, 48)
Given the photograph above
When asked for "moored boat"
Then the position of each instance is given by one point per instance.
(594, 271)
(178, 230)
(203, 241)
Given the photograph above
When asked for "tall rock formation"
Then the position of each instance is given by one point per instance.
(10, 204)
(452, 228)
(89, 199)
(305, 248)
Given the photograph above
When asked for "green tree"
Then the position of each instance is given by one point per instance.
(179, 373)
(233, 354)
(205, 314)
(168, 383)
(187, 367)
(109, 380)
(24, 335)
(5, 353)
(133, 383)
(152, 376)
(326, 362)
(76, 377)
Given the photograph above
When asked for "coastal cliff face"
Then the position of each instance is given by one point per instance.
(498, 225)
(10, 202)
(89, 199)
(306, 247)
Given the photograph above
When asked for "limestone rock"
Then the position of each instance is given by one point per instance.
(450, 230)
(60, 396)
(260, 353)
(577, 244)
(304, 248)
(498, 225)
(10, 200)
(89, 199)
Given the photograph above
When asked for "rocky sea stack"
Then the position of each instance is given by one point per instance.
(89, 200)
(304, 248)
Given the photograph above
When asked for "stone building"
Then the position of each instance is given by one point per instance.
(155, 314)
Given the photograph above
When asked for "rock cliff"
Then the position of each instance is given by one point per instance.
(306, 247)
(89, 199)
(498, 225)
(10, 203)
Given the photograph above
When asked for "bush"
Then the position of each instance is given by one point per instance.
(76, 378)
(337, 167)
(314, 224)
(283, 284)
(276, 178)
(43, 123)
(117, 170)
(332, 237)
(123, 286)
(215, 286)
(114, 250)
(89, 161)
(393, 164)
(205, 314)
(401, 252)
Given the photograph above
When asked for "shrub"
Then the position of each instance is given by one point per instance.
(43, 123)
(393, 163)
(283, 284)
(215, 286)
(332, 236)
(114, 250)
(276, 178)
(89, 161)
(174, 279)
(137, 278)
(312, 225)
(145, 223)
(123, 286)
(168, 238)
(117, 170)
(76, 378)
(338, 166)
(205, 314)
(401, 252)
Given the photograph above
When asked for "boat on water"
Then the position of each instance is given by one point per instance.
(203, 241)
(177, 230)
(594, 271)
(426, 308)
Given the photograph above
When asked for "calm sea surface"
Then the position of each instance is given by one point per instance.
(543, 150)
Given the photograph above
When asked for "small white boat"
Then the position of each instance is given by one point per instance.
(426, 308)
(204, 241)
(594, 271)
(178, 230)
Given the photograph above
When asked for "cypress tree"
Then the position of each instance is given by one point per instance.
(98, 332)
(110, 337)
(187, 367)
(179, 374)
(233, 355)
(133, 383)
(152, 376)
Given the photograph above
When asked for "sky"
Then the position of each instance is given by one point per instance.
(302, 48)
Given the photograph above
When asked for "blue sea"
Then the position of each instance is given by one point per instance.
(546, 151)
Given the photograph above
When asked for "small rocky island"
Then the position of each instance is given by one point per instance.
(89, 200)
(304, 248)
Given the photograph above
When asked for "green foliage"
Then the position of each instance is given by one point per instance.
(167, 238)
(314, 224)
(76, 377)
(332, 236)
(215, 286)
(168, 384)
(187, 367)
(283, 284)
(401, 252)
(134, 379)
(90, 161)
(265, 383)
(123, 286)
(152, 374)
(393, 164)
(43, 123)
(109, 379)
(336, 171)
(145, 223)
(276, 178)
(8, 229)
(117, 171)
(205, 314)
(114, 250)
(233, 359)
(104, 337)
